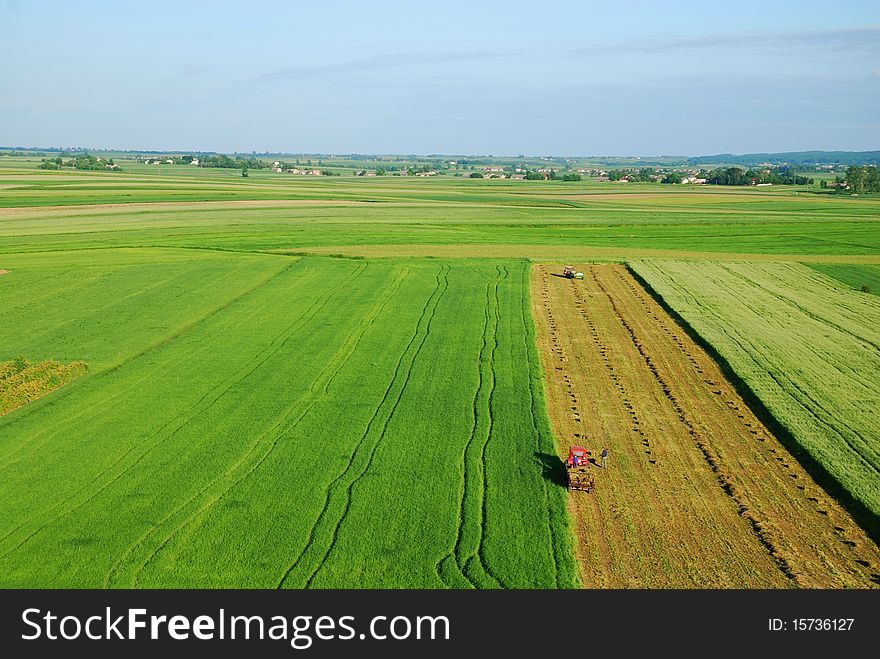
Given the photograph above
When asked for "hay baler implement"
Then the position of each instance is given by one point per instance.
(569, 273)
(579, 475)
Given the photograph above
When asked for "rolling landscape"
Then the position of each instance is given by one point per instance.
(278, 381)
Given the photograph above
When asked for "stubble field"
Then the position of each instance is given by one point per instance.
(698, 492)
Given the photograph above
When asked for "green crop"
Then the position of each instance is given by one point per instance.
(271, 421)
(862, 277)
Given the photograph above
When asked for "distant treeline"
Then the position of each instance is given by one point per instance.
(85, 162)
(792, 158)
(784, 175)
(231, 163)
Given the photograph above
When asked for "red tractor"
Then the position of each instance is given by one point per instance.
(577, 469)
(570, 273)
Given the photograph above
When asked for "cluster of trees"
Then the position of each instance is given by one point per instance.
(633, 175)
(84, 162)
(227, 162)
(783, 175)
(728, 176)
(41, 154)
(862, 178)
(553, 175)
(298, 164)
(540, 176)
(166, 159)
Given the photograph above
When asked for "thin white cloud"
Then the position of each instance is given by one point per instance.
(375, 63)
(847, 39)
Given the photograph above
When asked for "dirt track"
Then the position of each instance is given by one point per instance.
(77, 209)
(698, 493)
(553, 252)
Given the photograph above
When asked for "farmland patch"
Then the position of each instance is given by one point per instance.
(698, 492)
(808, 349)
(22, 382)
(307, 422)
(864, 278)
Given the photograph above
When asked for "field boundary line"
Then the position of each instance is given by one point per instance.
(541, 432)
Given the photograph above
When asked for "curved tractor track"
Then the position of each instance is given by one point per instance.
(698, 492)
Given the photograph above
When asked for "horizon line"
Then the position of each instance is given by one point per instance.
(428, 155)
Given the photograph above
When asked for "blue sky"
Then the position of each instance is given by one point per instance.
(560, 78)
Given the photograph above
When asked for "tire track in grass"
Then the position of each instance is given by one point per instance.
(358, 477)
(332, 368)
(311, 558)
(457, 561)
(477, 562)
(300, 408)
(449, 568)
(729, 488)
(117, 393)
(205, 403)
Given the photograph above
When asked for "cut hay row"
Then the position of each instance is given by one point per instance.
(807, 347)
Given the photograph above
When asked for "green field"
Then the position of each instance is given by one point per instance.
(274, 421)
(255, 414)
(808, 348)
(864, 278)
